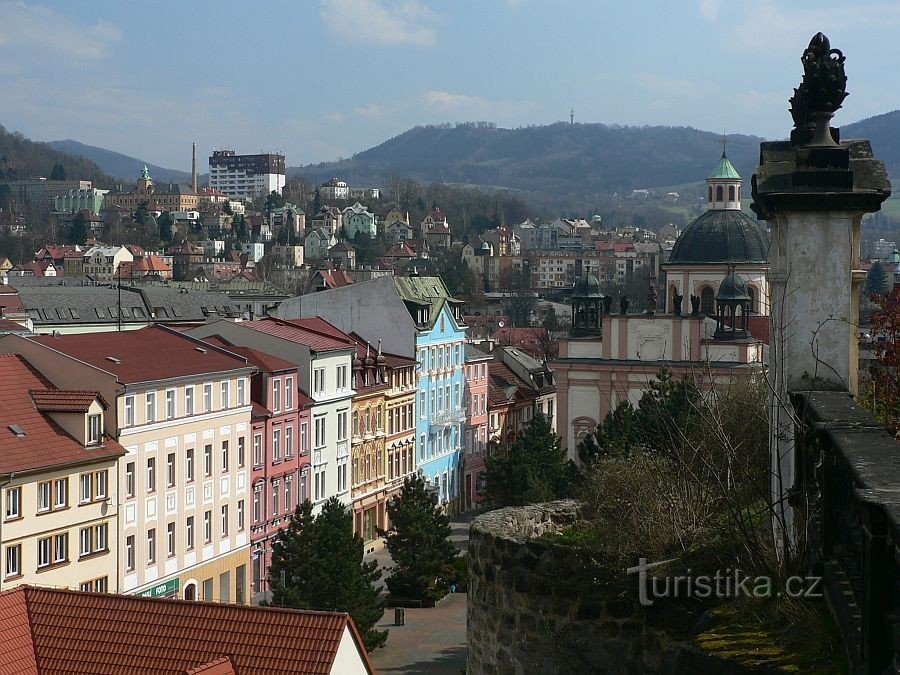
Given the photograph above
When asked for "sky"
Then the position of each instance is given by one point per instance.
(321, 80)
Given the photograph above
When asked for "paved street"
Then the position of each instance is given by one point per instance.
(433, 641)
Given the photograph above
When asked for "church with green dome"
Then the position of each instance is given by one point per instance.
(722, 238)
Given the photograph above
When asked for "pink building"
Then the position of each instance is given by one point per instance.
(279, 451)
(476, 435)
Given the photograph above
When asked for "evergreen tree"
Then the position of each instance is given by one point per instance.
(58, 172)
(419, 543)
(79, 232)
(317, 563)
(142, 213)
(317, 201)
(242, 229)
(876, 279)
(165, 227)
(534, 468)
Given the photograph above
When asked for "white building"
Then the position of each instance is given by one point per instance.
(246, 176)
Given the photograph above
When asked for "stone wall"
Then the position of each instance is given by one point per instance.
(535, 606)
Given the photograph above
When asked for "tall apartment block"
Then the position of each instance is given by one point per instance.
(246, 176)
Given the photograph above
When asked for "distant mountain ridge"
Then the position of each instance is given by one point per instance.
(118, 165)
(569, 165)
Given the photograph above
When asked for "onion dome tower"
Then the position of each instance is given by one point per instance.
(586, 299)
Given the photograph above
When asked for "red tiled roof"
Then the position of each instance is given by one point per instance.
(64, 400)
(265, 362)
(10, 326)
(315, 333)
(49, 630)
(144, 355)
(259, 410)
(10, 300)
(223, 666)
(45, 443)
(504, 385)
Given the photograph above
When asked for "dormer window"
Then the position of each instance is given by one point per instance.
(94, 424)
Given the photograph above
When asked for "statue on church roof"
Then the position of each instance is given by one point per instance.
(145, 173)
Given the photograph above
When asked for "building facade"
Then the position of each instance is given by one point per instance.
(246, 176)
(476, 434)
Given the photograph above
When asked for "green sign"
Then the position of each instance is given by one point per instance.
(166, 589)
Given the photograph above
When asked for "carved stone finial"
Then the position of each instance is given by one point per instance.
(824, 85)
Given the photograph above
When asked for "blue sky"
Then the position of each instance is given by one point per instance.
(319, 80)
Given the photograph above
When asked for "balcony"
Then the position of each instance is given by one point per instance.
(447, 417)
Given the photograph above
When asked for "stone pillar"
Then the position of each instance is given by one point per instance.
(814, 198)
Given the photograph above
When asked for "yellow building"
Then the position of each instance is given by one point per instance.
(182, 412)
(168, 197)
(58, 477)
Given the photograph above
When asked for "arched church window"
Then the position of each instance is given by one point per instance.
(710, 193)
(731, 193)
(673, 291)
(707, 300)
(751, 291)
(719, 193)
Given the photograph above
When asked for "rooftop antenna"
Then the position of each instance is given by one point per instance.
(572, 116)
(724, 142)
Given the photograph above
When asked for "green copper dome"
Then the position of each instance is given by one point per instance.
(724, 170)
(733, 288)
(587, 286)
(721, 236)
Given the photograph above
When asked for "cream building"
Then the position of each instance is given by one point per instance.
(57, 476)
(182, 412)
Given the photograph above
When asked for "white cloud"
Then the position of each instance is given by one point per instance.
(29, 32)
(710, 9)
(370, 111)
(446, 99)
(376, 21)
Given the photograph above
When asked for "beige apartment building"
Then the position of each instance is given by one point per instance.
(182, 412)
(57, 476)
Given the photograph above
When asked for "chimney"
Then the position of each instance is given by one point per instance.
(194, 167)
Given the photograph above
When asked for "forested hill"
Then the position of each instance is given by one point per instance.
(23, 158)
(884, 133)
(564, 162)
(123, 167)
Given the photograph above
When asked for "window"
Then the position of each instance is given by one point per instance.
(129, 552)
(731, 193)
(13, 503)
(225, 402)
(207, 460)
(189, 400)
(257, 450)
(304, 439)
(151, 545)
(422, 404)
(707, 301)
(320, 484)
(44, 492)
(719, 193)
(170, 404)
(224, 455)
(240, 515)
(45, 547)
(318, 381)
(288, 490)
(86, 537)
(241, 459)
(207, 397)
(14, 560)
(342, 425)
(170, 470)
(61, 493)
(86, 481)
(170, 539)
(342, 378)
(151, 407)
(189, 532)
(276, 395)
(207, 526)
(151, 474)
(288, 393)
(241, 391)
(276, 488)
(189, 465)
(101, 537)
(342, 476)
(129, 411)
(93, 429)
(257, 502)
(225, 520)
(60, 547)
(129, 479)
(100, 481)
(289, 441)
(276, 445)
(320, 432)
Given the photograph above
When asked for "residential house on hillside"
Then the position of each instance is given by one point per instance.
(419, 318)
(181, 408)
(317, 243)
(329, 218)
(357, 218)
(112, 633)
(58, 473)
(435, 230)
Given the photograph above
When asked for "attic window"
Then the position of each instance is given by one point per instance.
(114, 360)
(100, 312)
(75, 314)
(17, 430)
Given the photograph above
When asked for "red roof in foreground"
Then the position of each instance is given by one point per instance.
(45, 443)
(52, 631)
(144, 355)
(315, 333)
